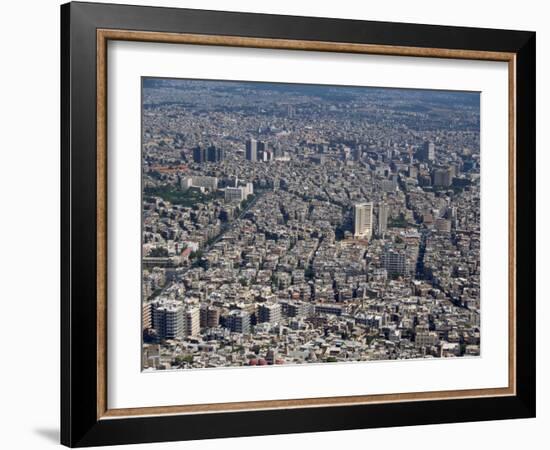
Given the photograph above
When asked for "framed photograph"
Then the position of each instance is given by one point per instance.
(276, 224)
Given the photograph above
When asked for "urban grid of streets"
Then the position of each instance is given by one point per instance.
(287, 224)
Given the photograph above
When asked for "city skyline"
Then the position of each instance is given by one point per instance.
(292, 223)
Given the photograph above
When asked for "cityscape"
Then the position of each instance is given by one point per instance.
(290, 223)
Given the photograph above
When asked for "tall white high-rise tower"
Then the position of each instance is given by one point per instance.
(362, 220)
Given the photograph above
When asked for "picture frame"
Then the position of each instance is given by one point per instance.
(86, 30)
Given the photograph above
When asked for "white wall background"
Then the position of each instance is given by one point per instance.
(29, 222)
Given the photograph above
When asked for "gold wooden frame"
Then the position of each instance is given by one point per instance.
(104, 35)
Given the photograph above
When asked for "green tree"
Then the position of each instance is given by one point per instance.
(158, 252)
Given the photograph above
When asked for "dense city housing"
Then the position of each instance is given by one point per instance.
(290, 224)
